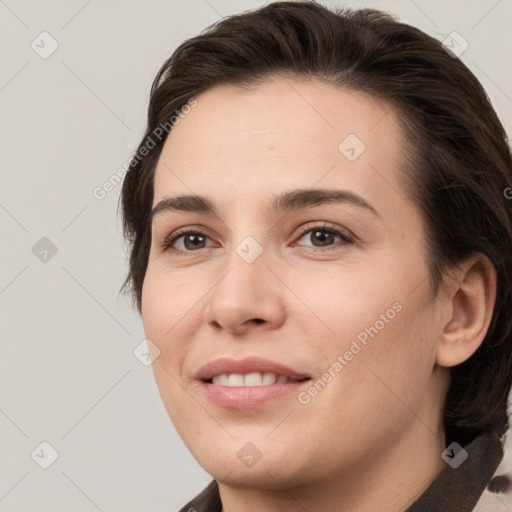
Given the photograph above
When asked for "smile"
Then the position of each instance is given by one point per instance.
(249, 382)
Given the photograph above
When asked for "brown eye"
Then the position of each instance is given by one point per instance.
(325, 236)
(192, 240)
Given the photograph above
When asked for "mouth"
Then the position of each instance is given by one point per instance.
(248, 383)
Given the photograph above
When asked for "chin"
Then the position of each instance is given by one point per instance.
(264, 475)
(242, 463)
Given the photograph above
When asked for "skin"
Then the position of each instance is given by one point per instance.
(344, 450)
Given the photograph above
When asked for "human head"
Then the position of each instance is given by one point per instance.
(457, 162)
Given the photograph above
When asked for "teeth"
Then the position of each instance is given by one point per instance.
(235, 379)
(221, 379)
(269, 378)
(251, 379)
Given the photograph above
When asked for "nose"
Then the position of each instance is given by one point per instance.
(247, 296)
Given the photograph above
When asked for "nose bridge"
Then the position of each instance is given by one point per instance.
(245, 290)
(246, 254)
(245, 271)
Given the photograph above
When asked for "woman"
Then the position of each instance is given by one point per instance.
(320, 240)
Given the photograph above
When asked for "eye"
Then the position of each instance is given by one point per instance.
(325, 235)
(192, 240)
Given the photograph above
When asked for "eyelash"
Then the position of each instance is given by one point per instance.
(324, 227)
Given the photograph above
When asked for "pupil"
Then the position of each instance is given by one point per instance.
(190, 238)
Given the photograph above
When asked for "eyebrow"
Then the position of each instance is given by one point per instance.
(288, 201)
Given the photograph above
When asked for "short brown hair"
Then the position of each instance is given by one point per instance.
(457, 169)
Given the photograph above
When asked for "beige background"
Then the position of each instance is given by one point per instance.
(68, 375)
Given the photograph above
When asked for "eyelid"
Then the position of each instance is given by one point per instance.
(169, 240)
(344, 234)
(326, 226)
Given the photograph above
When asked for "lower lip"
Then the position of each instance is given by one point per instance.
(248, 397)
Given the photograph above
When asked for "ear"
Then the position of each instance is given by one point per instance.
(470, 298)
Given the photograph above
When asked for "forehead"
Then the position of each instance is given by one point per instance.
(284, 132)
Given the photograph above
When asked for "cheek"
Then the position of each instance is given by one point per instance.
(166, 316)
(169, 299)
(346, 301)
(378, 383)
(161, 312)
(375, 333)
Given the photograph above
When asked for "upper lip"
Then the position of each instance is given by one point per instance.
(245, 366)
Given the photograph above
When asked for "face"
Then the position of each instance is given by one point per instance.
(328, 292)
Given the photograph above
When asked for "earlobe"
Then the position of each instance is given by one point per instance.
(471, 299)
